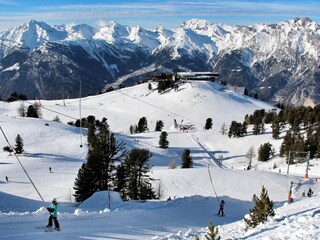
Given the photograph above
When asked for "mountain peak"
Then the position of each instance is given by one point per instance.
(303, 23)
(196, 24)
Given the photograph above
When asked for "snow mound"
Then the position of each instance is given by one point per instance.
(100, 201)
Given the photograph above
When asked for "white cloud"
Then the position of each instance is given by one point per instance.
(139, 11)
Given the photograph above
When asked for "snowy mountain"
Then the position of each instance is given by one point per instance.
(278, 61)
(195, 198)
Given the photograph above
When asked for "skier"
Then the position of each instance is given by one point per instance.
(304, 194)
(53, 210)
(221, 209)
(50, 169)
(7, 178)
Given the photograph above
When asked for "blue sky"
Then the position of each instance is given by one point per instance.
(151, 13)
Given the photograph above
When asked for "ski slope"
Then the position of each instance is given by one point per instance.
(195, 193)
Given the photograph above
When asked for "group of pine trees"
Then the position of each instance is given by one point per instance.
(301, 125)
(110, 167)
(33, 110)
(141, 127)
(18, 149)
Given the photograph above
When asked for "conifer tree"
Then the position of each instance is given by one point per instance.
(208, 124)
(159, 126)
(142, 125)
(262, 210)
(256, 129)
(19, 145)
(244, 129)
(186, 158)
(37, 108)
(264, 152)
(235, 129)
(136, 166)
(287, 144)
(32, 112)
(275, 129)
(120, 181)
(99, 172)
(163, 142)
(213, 233)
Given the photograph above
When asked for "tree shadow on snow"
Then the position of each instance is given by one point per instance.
(53, 157)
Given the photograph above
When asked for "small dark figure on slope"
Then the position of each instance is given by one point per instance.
(221, 209)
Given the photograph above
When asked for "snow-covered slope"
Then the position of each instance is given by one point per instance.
(195, 198)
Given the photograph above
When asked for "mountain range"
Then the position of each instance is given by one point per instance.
(278, 62)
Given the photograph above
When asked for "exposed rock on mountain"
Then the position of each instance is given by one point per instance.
(279, 62)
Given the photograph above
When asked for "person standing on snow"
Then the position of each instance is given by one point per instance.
(53, 210)
(221, 209)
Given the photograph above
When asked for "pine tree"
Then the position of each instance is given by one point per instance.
(120, 181)
(262, 210)
(163, 142)
(235, 129)
(256, 129)
(37, 108)
(142, 125)
(159, 126)
(208, 124)
(186, 158)
(243, 129)
(85, 182)
(213, 233)
(19, 145)
(136, 166)
(275, 129)
(287, 144)
(264, 152)
(99, 172)
(32, 112)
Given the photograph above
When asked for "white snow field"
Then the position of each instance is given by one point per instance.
(194, 197)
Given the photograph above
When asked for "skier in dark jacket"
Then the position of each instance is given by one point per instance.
(53, 210)
(221, 209)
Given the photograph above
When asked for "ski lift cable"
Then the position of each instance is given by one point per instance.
(54, 111)
(25, 171)
(213, 185)
(160, 108)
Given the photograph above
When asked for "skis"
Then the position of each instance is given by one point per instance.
(220, 215)
(51, 230)
(48, 229)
